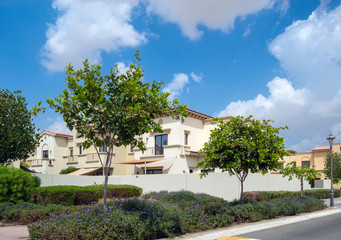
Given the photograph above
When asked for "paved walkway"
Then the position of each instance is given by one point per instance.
(21, 231)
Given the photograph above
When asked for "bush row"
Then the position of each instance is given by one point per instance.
(76, 195)
(161, 216)
(269, 195)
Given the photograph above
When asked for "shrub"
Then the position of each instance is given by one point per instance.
(68, 170)
(152, 218)
(16, 184)
(270, 195)
(76, 195)
(25, 212)
(120, 191)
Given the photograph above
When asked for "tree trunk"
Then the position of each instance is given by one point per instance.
(301, 186)
(241, 190)
(106, 173)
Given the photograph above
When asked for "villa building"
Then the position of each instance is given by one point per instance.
(174, 151)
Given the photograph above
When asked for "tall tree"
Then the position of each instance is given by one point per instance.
(336, 166)
(242, 145)
(18, 136)
(301, 173)
(112, 110)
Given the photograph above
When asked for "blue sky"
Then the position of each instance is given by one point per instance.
(274, 59)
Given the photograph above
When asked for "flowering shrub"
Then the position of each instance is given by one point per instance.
(163, 214)
(270, 195)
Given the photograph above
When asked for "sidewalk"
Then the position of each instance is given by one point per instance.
(21, 231)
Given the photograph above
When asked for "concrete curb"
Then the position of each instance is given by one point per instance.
(252, 227)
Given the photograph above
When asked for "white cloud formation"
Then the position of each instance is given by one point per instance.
(310, 53)
(59, 126)
(85, 28)
(122, 68)
(213, 14)
(196, 78)
(177, 85)
(179, 81)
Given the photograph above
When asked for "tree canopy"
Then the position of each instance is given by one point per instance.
(18, 136)
(114, 109)
(336, 166)
(301, 172)
(242, 145)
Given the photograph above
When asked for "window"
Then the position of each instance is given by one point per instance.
(280, 166)
(80, 149)
(71, 152)
(103, 148)
(186, 138)
(191, 171)
(132, 145)
(305, 163)
(154, 171)
(160, 141)
(45, 154)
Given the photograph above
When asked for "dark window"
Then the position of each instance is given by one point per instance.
(71, 152)
(186, 138)
(103, 148)
(208, 170)
(160, 141)
(80, 149)
(132, 145)
(305, 163)
(154, 171)
(45, 154)
(191, 171)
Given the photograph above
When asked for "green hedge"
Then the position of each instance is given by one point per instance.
(76, 195)
(269, 195)
(16, 184)
(68, 170)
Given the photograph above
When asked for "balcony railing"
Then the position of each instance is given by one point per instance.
(93, 157)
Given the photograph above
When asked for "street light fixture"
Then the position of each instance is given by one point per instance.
(331, 139)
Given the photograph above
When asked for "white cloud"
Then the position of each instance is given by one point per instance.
(179, 81)
(176, 86)
(196, 78)
(213, 14)
(59, 126)
(122, 68)
(310, 53)
(86, 28)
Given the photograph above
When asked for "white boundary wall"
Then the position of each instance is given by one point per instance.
(216, 184)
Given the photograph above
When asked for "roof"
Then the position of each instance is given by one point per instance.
(83, 171)
(140, 161)
(54, 133)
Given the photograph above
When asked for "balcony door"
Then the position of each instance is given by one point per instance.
(160, 141)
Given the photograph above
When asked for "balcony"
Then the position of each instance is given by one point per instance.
(93, 157)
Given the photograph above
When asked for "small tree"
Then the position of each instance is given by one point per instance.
(302, 172)
(18, 136)
(336, 166)
(112, 110)
(242, 145)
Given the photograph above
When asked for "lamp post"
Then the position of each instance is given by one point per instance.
(331, 139)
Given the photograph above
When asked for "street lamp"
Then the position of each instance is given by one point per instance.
(331, 139)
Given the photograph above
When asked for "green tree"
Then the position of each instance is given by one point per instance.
(301, 173)
(68, 170)
(112, 110)
(18, 136)
(242, 145)
(336, 166)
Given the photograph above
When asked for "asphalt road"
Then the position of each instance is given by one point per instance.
(327, 228)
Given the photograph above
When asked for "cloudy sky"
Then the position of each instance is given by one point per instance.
(274, 59)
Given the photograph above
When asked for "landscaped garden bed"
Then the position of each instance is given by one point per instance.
(163, 214)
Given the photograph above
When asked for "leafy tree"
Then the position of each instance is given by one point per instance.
(18, 136)
(112, 110)
(336, 166)
(302, 172)
(242, 145)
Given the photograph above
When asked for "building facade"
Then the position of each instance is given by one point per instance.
(174, 151)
